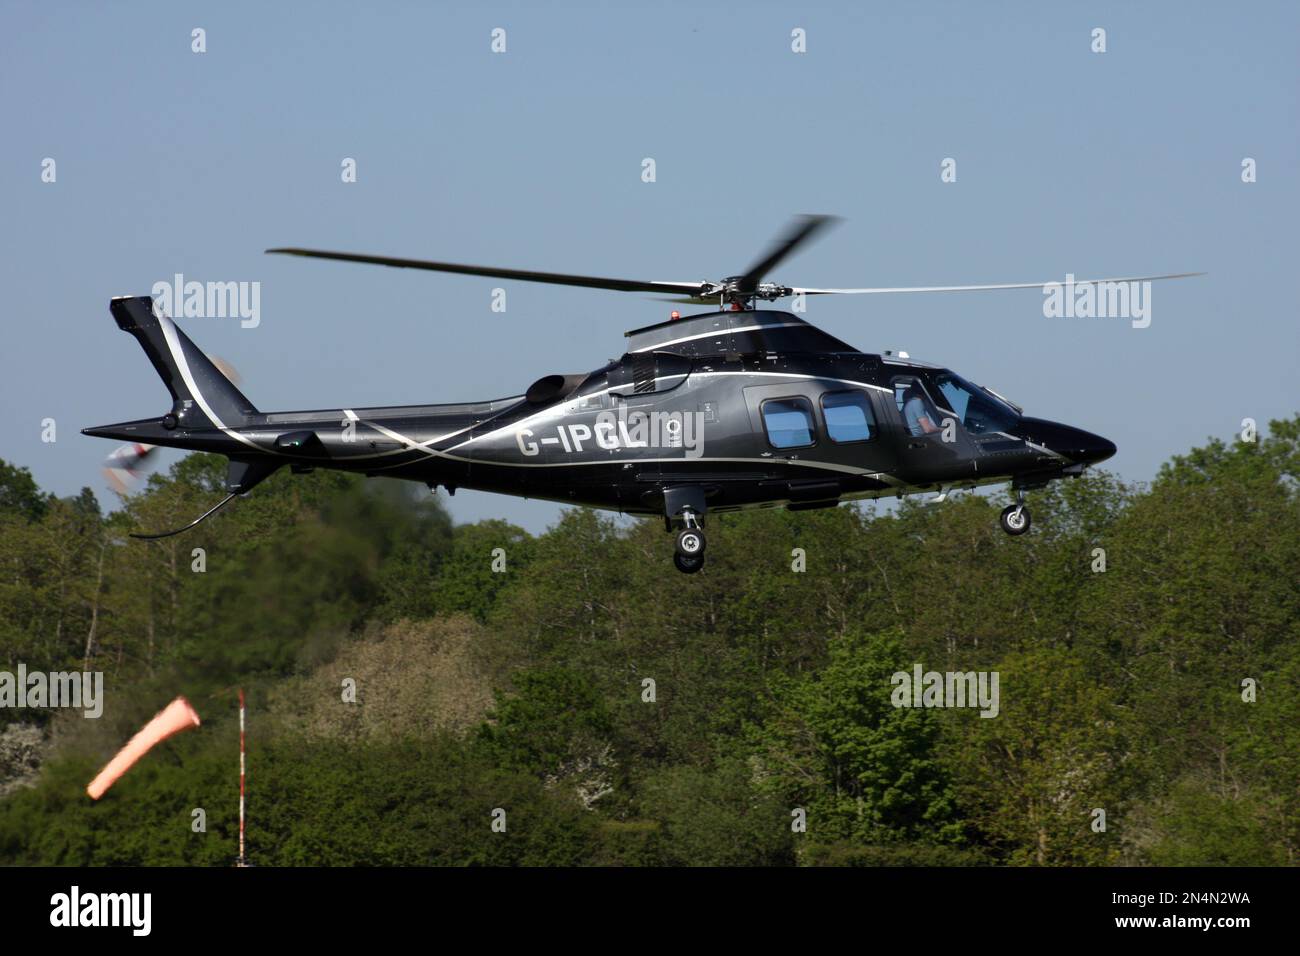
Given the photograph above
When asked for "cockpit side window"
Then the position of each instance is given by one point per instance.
(918, 411)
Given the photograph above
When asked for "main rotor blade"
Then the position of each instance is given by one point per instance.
(522, 275)
(982, 288)
(804, 228)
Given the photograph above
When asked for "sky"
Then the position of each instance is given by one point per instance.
(1116, 163)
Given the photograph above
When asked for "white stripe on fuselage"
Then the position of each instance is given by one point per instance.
(716, 332)
(557, 410)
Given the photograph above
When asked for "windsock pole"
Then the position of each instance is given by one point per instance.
(241, 861)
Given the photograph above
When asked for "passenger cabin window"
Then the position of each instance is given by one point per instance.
(848, 416)
(789, 422)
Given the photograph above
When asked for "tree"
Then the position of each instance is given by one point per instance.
(1031, 778)
(19, 494)
(865, 771)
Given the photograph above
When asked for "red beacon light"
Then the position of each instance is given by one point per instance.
(674, 315)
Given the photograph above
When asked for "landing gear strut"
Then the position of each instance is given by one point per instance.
(1015, 518)
(684, 507)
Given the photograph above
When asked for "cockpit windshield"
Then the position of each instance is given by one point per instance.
(979, 410)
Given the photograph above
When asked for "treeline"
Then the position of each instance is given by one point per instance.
(576, 690)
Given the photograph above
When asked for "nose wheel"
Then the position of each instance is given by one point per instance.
(1015, 519)
(684, 508)
(689, 555)
(687, 565)
(690, 543)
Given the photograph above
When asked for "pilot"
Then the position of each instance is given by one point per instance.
(917, 412)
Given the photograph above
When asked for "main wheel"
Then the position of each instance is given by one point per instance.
(1015, 519)
(690, 543)
(687, 565)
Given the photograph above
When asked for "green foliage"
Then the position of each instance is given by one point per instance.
(1031, 777)
(474, 571)
(426, 803)
(865, 770)
(403, 804)
(907, 854)
(1197, 826)
(554, 718)
(715, 817)
(19, 495)
(644, 717)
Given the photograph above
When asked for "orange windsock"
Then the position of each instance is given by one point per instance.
(175, 717)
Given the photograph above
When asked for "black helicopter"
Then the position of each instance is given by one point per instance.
(733, 408)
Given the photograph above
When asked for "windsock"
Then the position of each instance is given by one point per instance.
(175, 717)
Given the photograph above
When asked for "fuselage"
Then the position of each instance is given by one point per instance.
(754, 407)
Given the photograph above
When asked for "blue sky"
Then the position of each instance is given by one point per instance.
(1122, 163)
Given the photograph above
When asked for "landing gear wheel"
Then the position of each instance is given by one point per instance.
(1015, 519)
(688, 565)
(690, 544)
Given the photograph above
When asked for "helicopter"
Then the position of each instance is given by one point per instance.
(732, 408)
